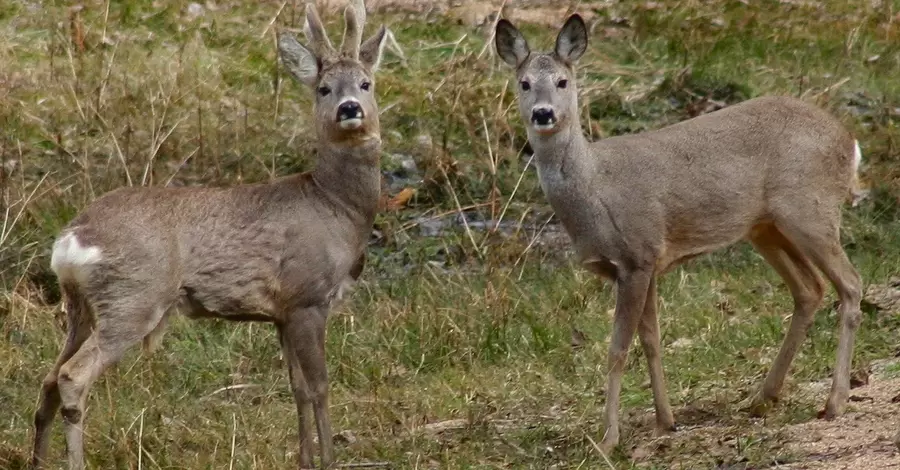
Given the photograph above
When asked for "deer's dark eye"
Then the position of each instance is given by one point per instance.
(525, 85)
(365, 86)
(562, 83)
(324, 91)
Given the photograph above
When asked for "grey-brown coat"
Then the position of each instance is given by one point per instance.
(774, 171)
(278, 252)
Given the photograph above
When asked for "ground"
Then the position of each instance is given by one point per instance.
(466, 345)
(861, 439)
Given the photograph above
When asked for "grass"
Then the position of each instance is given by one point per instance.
(442, 328)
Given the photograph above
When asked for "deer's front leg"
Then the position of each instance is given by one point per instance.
(648, 331)
(302, 398)
(303, 338)
(631, 294)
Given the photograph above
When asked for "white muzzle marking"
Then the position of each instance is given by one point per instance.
(350, 124)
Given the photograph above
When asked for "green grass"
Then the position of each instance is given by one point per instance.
(484, 336)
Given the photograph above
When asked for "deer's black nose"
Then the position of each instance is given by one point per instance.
(543, 116)
(349, 110)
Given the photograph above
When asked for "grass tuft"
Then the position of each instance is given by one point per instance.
(485, 330)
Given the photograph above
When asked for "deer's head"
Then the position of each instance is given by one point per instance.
(548, 97)
(342, 79)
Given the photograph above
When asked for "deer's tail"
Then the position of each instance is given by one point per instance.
(857, 192)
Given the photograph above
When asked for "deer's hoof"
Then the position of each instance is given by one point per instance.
(607, 445)
(834, 406)
(830, 412)
(664, 429)
(760, 406)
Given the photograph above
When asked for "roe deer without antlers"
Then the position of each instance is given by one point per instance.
(774, 171)
(276, 252)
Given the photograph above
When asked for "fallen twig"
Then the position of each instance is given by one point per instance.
(441, 426)
(230, 388)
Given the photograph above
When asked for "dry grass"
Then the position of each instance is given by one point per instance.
(471, 329)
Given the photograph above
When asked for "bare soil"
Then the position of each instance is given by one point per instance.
(860, 439)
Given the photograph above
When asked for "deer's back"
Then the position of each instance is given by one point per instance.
(743, 159)
(702, 184)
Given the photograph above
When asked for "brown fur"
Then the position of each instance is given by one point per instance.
(279, 252)
(774, 171)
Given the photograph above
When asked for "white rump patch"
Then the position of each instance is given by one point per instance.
(857, 193)
(71, 260)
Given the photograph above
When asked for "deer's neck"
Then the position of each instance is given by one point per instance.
(563, 155)
(350, 178)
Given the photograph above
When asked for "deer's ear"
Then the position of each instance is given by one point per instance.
(572, 39)
(511, 45)
(298, 60)
(370, 52)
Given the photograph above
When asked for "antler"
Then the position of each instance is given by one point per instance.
(315, 33)
(355, 15)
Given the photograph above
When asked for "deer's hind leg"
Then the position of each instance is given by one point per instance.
(120, 325)
(807, 289)
(820, 241)
(79, 328)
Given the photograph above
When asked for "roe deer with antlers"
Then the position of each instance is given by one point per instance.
(774, 171)
(278, 252)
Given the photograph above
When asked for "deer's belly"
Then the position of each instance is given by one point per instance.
(252, 301)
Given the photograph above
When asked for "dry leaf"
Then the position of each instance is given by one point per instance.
(398, 201)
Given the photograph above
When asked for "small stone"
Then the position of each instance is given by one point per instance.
(346, 437)
(195, 10)
(431, 227)
(406, 162)
(681, 343)
(424, 141)
(578, 338)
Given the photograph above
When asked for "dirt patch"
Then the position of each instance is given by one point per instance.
(860, 439)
